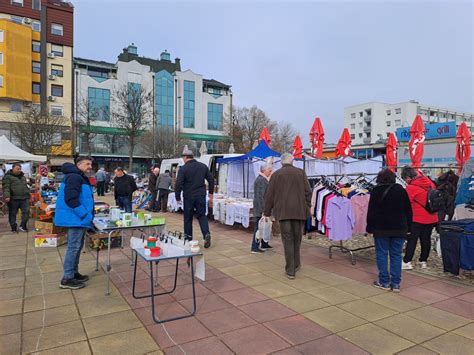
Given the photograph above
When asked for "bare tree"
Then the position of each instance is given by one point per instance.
(132, 113)
(167, 143)
(37, 132)
(86, 114)
(283, 138)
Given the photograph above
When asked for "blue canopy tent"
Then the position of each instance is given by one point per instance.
(259, 153)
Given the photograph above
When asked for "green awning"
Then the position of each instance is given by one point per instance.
(203, 137)
(104, 130)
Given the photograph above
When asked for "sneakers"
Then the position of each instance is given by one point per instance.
(21, 229)
(207, 241)
(268, 246)
(257, 251)
(82, 278)
(395, 288)
(291, 277)
(407, 266)
(381, 286)
(424, 265)
(71, 284)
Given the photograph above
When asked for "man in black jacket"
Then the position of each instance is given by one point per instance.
(155, 172)
(124, 186)
(191, 180)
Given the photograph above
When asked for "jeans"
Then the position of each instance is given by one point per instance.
(125, 203)
(195, 206)
(163, 199)
(75, 241)
(13, 207)
(100, 188)
(422, 232)
(385, 246)
(291, 235)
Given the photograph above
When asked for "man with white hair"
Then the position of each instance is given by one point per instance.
(155, 172)
(288, 197)
(259, 188)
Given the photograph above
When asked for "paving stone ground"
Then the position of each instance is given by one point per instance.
(245, 306)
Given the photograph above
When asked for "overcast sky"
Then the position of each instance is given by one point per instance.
(299, 60)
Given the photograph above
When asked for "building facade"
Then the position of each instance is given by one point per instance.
(374, 121)
(36, 51)
(184, 103)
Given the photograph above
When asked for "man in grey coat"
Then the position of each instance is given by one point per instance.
(163, 185)
(259, 188)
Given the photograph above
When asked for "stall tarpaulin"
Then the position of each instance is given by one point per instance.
(416, 144)
(316, 137)
(391, 152)
(10, 152)
(463, 147)
(298, 148)
(343, 148)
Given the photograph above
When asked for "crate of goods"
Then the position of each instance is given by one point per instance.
(100, 240)
(50, 240)
(48, 228)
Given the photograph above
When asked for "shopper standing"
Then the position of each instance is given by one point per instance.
(259, 188)
(17, 195)
(289, 197)
(423, 221)
(163, 185)
(124, 186)
(389, 218)
(100, 178)
(191, 180)
(75, 211)
(152, 206)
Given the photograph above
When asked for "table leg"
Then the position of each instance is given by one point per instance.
(109, 266)
(97, 257)
(194, 288)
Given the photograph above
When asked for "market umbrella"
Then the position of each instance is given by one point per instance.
(416, 144)
(298, 148)
(316, 137)
(265, 136)
(463, 147)
(343, 148)
(203, 149)
(391, 152)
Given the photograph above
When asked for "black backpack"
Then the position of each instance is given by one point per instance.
(435, 201)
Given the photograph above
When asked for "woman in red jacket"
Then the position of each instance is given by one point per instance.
(423, 221)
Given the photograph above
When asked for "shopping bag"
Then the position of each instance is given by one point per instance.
(265, 228)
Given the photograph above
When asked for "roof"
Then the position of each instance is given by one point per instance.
(215, 84)
(261, 151)
(97, 63)
(156, 65)
(10, 152)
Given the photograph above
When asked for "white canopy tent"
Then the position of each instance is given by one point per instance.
(10, 152)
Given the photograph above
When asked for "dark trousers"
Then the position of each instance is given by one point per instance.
(100, 188)
(291, 234)
(153, 205)
(163, 199)
(13, 207)
(195, 206)
(422, 232)
(125, 203)
(107, 186)
(260, 244)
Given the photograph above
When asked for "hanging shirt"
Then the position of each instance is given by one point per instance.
(339, 218)
(360, 206)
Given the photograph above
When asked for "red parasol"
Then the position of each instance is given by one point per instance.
(265, 136)
(298, 148)
(391, 152)
(343, 148)
(463, 148)
(416, 144)
(316, 137)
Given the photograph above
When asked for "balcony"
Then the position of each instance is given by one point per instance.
(367, 129)
(367, 140)
(368, 118)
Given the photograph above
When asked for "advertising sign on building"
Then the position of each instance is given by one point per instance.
(433, 131)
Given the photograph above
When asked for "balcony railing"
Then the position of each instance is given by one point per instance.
(367, 140)
(368, 118)
(367, 129)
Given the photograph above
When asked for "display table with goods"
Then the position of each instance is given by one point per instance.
(118, 221)
(167, 247)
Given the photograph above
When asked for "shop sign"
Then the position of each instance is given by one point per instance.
(433, 131)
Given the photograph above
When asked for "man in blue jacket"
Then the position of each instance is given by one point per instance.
(75, 211)
(191, 180)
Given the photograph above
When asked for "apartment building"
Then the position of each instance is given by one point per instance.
(36, 51)
(374, 121)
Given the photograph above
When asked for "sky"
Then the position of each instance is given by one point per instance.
(299, 59)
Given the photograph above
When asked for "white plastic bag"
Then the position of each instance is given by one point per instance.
(265, 229)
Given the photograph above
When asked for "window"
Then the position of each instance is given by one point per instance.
(36, 88)
(57, 70)
(1, 35)
(36, 26)
(1, 81)
(389, 123)
(17, 2)
(353, 126)
(99, 104)
(57, 90)
(189, 98)
(98, 74)
(361, 124)
(398, 123)
(36, 4)
(36, 46)
(56, 110)
(360, 135)
(16, 106)
(1, 58)
(17, 19)
(57, 29)
(164, 90)
(389, 112)
(353, 136)
(57, 50)
(36, 67)
(398, 111)
(56, 139)
(214, 116)
(361, 114)
(353, 115)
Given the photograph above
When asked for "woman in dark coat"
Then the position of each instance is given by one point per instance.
(389, 219)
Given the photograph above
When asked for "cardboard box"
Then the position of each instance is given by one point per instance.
(49, 240)
(48, 228)
(100, 241)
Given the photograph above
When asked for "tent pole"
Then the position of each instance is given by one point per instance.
(248, 179)
(243, 177)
